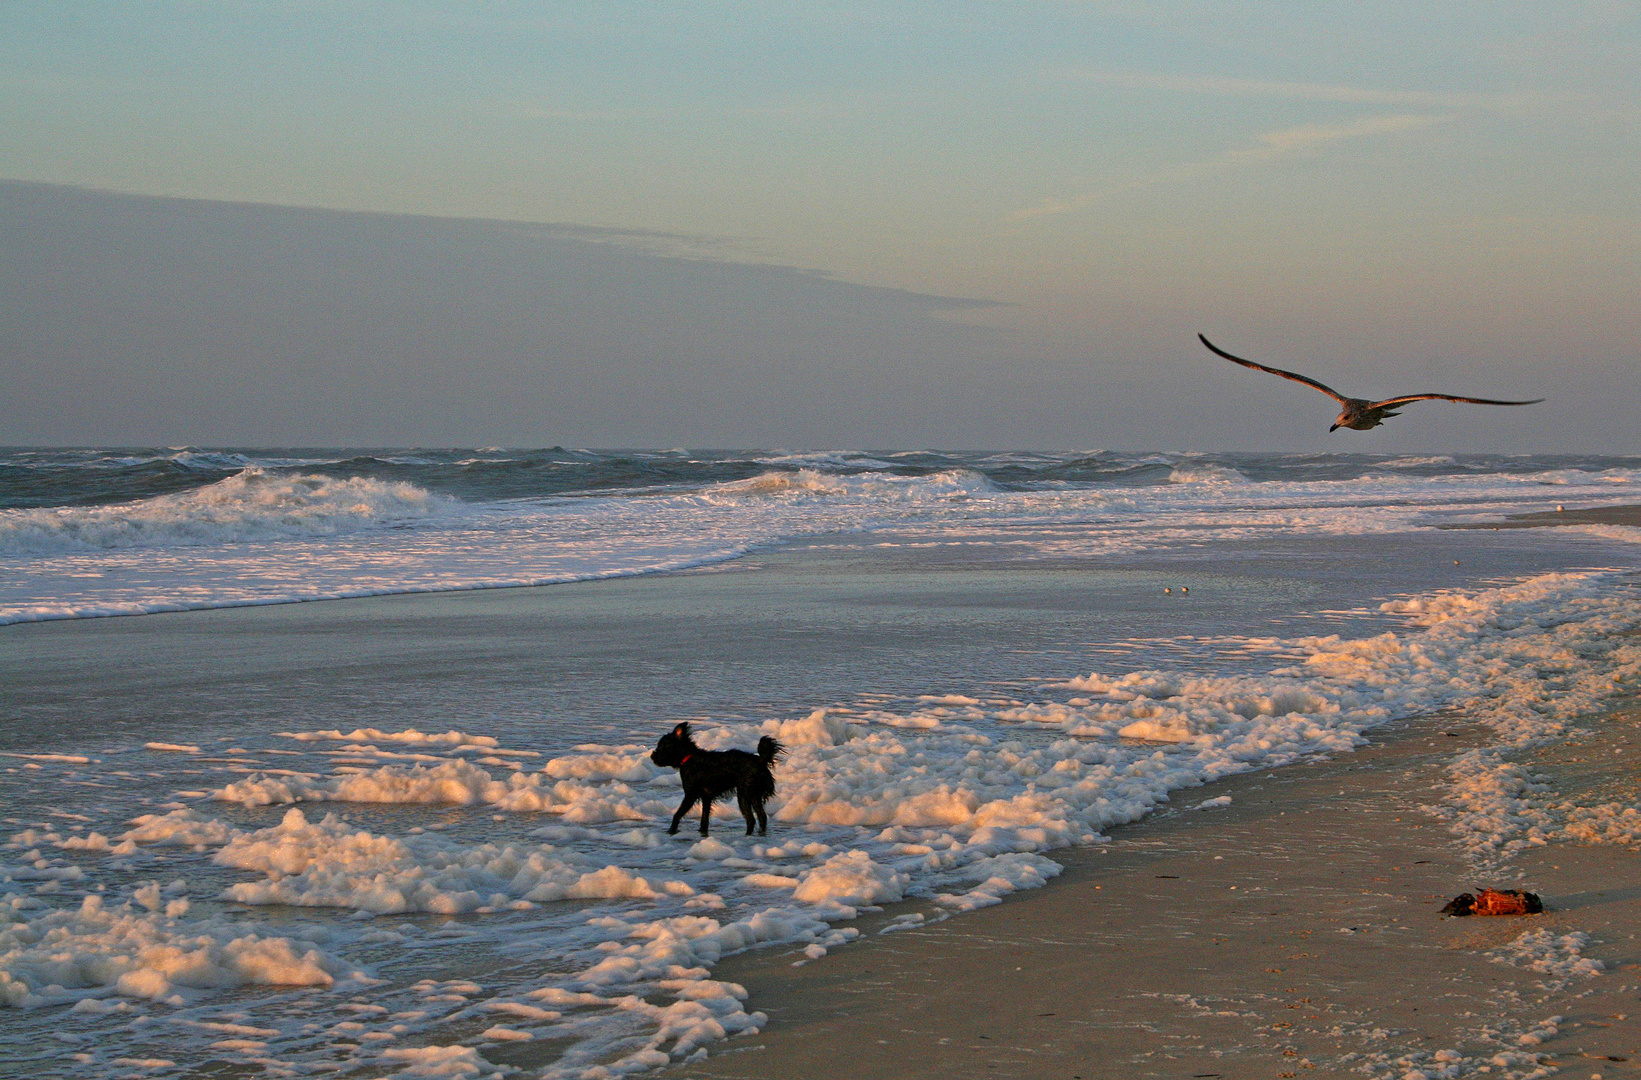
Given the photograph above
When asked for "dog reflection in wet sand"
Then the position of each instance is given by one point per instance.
(709, 775)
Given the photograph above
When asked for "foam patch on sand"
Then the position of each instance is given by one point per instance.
(463, 783)
(184, 827)
(411, 737)
(331, 864)
(1495, 807)
(428, 1062)
(145, 949)
(1558, 956)
(1605, 823)
(1498, 808)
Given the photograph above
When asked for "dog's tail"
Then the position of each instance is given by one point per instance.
(762, 781)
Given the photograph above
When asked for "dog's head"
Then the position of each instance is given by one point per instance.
(673, 748)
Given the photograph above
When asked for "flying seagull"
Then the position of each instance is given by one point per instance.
(1359, 413)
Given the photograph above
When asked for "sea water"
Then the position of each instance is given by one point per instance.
(420, 834)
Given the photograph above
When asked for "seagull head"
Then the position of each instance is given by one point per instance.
(1357, 414)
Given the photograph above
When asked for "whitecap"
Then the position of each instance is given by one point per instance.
(251, 505)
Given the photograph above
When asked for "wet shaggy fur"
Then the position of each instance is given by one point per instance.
(709, 775)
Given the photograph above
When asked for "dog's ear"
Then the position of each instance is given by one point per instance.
(682, 731)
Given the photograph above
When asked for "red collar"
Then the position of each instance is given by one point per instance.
(681, 764)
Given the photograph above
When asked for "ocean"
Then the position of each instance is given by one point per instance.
(414, 830)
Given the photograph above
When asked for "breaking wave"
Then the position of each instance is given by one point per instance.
(249, 505)
(1194, 472)
(877, 486)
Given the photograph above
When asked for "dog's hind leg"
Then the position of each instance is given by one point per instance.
(683, 808)
(763, 818)
(746, 810)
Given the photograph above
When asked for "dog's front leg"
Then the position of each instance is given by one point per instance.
(683, 808)
(706, 815)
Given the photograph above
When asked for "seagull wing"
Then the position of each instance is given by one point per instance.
(1334, 394)
(1448, 397)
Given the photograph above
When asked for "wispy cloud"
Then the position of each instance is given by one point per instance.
(1275, 143)
(1265, 147)
(1221, 86)
(687, 111)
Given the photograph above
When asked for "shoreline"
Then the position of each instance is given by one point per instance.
(10, 618)
(1539, 519)
(1292, 932)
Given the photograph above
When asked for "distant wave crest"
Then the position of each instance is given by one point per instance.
(948, 484)
(1205, 472)
(1418, 462)
(251, 505)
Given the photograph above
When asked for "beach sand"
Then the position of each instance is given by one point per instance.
(1600, 515)
(1293, 932)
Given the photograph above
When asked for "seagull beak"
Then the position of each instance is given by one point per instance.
(1332, 429)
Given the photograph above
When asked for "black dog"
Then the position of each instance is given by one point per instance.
(709, 775)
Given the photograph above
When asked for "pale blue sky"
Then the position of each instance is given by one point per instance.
(1375, 193)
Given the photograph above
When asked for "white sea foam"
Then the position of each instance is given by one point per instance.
(143, 949)
(1603, 823)
(1491, 807)
(1559, 956)
(331, 864)
(183, 827)
(411, 737)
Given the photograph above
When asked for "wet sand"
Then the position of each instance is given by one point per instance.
(1294, 932)
(1601, 515)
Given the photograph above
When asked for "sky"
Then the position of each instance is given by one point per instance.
(990, 225)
